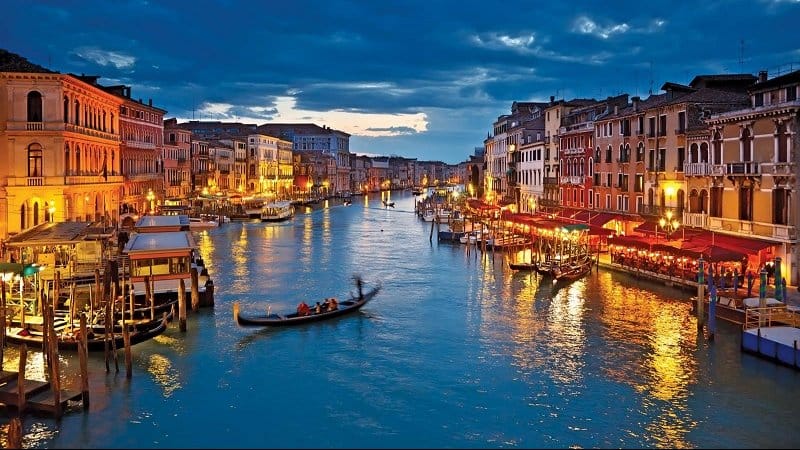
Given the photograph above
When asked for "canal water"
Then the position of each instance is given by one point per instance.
(456, 351)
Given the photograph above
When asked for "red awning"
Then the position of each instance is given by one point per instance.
(631, 241)
(603, 218)
(737, 243)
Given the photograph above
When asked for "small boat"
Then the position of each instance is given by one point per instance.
(531, 266)
(571, 272)
(67, 340)
(416, 190)
(347, 202)
(294, 318)
(388, 204)
(200, 223)
(277, 211)
(733, 308)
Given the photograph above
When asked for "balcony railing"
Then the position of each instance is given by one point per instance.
(35, 181)
(90, 132)
(783, 168)
(752, 228)
(742, 169)
(697, 220)
(574, 179)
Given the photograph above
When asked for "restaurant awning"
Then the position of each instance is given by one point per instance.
(639, 242)
(737, 243)
(603, 218)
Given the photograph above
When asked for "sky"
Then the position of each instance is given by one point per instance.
(419, 79)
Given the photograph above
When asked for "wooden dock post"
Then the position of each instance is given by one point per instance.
(148, 295)
(95, 298)
(15, 432)
(55, 373)
(182, 301)
(700, 293)
(195, 280)
(83, 355)
(126, 337)
(3, 313)
(23, 359)
(430, 238)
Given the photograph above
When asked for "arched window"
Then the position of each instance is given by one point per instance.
(77, 113)
(717, 148)
(704, 153)
(78, 167)
(640, 152)
(66, 110)
(66, 160)
(694, 157)
(34, 106)
(22, 222)
(35, 213)
(780, 141)
(747, 149)
(35, 160)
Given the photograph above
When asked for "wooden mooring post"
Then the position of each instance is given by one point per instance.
(126, 337)
(195, 281)
(83, 356)
(182, 302)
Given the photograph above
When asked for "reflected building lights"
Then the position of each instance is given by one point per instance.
(164, 374)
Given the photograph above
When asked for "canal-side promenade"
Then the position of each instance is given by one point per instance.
(456, 351)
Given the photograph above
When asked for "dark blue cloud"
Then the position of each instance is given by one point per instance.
(461, 64)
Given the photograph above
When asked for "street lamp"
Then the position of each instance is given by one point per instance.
(668, 224)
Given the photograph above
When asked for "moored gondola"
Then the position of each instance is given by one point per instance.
(294, 318)
(97, 340)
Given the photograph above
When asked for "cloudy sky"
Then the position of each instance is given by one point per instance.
(421, 79)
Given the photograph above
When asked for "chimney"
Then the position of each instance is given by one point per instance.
(149, 102)
(616, 109)
(635, 101)
(762, 76)
(552, 98)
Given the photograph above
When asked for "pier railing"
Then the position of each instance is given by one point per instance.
(771, 316)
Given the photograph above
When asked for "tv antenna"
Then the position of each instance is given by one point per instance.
(741, 55)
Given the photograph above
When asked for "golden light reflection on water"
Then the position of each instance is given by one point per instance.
(666, 334)
(240, 254)
(642, 339)
(163, 373)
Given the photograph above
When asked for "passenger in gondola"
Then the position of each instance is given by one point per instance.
(332, 304)
(303, 309)
(318, 308)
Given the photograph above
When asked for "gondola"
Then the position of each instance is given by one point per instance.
(96, 343)
(279, 320)
(388, 204)
(523, 266)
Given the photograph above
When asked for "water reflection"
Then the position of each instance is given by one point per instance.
(163, 373)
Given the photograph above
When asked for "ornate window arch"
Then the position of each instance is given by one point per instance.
(35, 160)
(34, 106)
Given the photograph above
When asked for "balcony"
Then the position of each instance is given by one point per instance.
(90, 132)
(553, 181)
(35, 181)
(697, 220)
(742, 169)
(779, 169)
(576, 180)
(761, 229)
(661, 211)
(92, 179)
(140, 145)
(573, 151)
